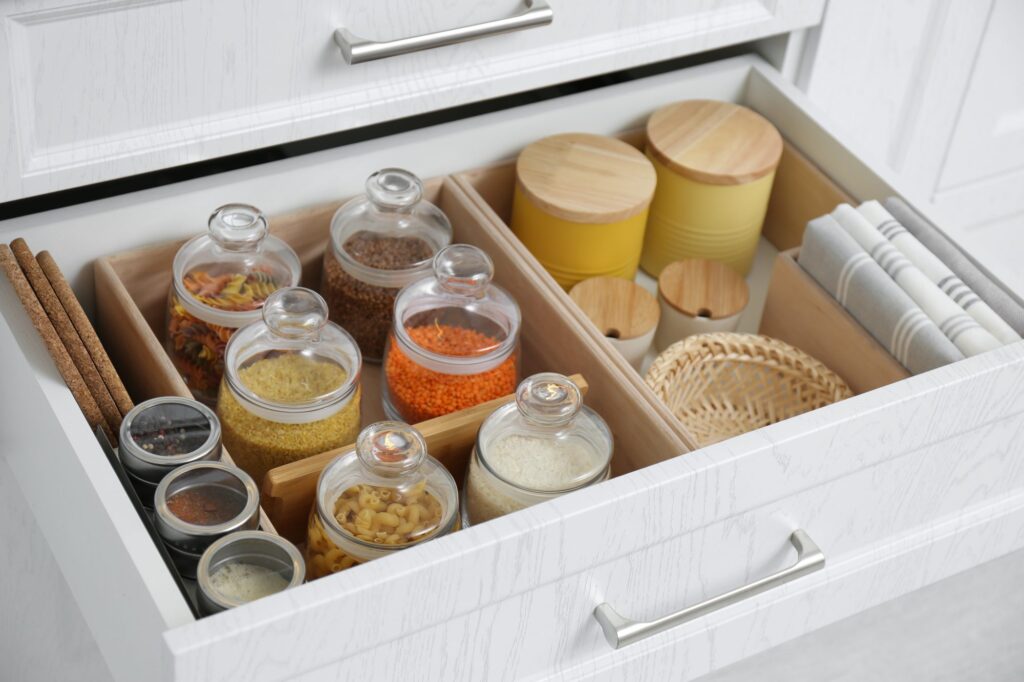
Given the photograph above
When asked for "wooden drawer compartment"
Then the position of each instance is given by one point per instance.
(901, 486)
(131, 299)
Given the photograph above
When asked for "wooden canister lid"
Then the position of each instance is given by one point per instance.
(586, 178)
(703, 288)
(619, 308)
(716, 143)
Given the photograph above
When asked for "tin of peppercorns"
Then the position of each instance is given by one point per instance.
(162, 434)
(199, 503)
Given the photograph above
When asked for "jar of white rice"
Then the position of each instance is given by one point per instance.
(545, 444)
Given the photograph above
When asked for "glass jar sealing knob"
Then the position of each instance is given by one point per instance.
(391, 448)
(295, 313)
(238, 227)
(394, 188)
(548, 398)
(464, 270)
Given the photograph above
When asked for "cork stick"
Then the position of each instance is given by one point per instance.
(72, 377)
(85, 331)
(60, 322)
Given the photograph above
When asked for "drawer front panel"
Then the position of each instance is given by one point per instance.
(850, 474)
(193, 80)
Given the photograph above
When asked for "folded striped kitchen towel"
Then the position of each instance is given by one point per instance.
(1005, 304)
(936, 271)
(960, 328)
(838, 263)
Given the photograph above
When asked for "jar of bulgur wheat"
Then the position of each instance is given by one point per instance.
(291, 385)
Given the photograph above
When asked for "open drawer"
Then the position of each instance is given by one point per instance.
(900, 486)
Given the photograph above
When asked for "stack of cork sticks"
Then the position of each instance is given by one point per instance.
(69, 336)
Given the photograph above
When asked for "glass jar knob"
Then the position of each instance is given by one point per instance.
(238, 227)
(295, 313)
(391, 448)
(464, 270)
(549, 399)
(394, 188)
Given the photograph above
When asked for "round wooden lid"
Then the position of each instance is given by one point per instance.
(619, 308)
(586, 178)
(703, 288)
(716, 143)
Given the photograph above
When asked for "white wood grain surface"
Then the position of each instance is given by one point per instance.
(110, 88)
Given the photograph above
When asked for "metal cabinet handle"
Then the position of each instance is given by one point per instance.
(357, 50)
(621, 631)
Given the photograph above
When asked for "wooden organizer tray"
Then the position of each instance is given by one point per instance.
(801, 313)
(131, 295)
(801, 192)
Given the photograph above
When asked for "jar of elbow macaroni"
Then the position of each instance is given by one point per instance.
(384, 496)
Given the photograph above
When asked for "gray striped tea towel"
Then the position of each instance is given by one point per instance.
(1008, 307)
(936, 271)
(838, 263)
(960, 328)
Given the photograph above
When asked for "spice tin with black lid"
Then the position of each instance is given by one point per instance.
(221, 499)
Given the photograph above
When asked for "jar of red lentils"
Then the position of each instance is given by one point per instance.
(455, 340)
(384, 496)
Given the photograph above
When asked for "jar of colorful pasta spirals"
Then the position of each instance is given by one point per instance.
(221, 281)
(455, 340)
(384, 496)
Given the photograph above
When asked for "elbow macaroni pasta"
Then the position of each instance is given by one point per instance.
(388, 517)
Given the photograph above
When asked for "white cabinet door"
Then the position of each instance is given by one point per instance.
(106, 89)
(983, 176)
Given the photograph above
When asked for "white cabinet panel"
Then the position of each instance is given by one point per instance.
(111, 88)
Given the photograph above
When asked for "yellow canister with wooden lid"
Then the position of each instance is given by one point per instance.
(580, 205)
(715, 163)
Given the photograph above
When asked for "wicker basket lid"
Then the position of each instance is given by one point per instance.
(586, 178)
(716, 143)
(703, 288)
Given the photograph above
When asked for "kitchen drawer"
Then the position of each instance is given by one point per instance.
(900, 486)
(194, 80)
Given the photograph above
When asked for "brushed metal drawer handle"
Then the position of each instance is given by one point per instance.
(357, 50)
(621, 631)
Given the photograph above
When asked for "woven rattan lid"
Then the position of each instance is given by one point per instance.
(716, 143)
(586, 178)
(703, 288)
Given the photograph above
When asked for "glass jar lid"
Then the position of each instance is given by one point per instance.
(163, 433)
(388, 472)
(389, 236)
(224, 276)
(456, 320)
(547, 440)
(294, 365)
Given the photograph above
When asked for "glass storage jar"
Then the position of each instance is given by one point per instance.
(455, 340)
(380, 242)
(384, 496)
(545, 444)
(220, 281)
(291, 385)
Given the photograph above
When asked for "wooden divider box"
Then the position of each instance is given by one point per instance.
(131, 299)
(801, 192)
